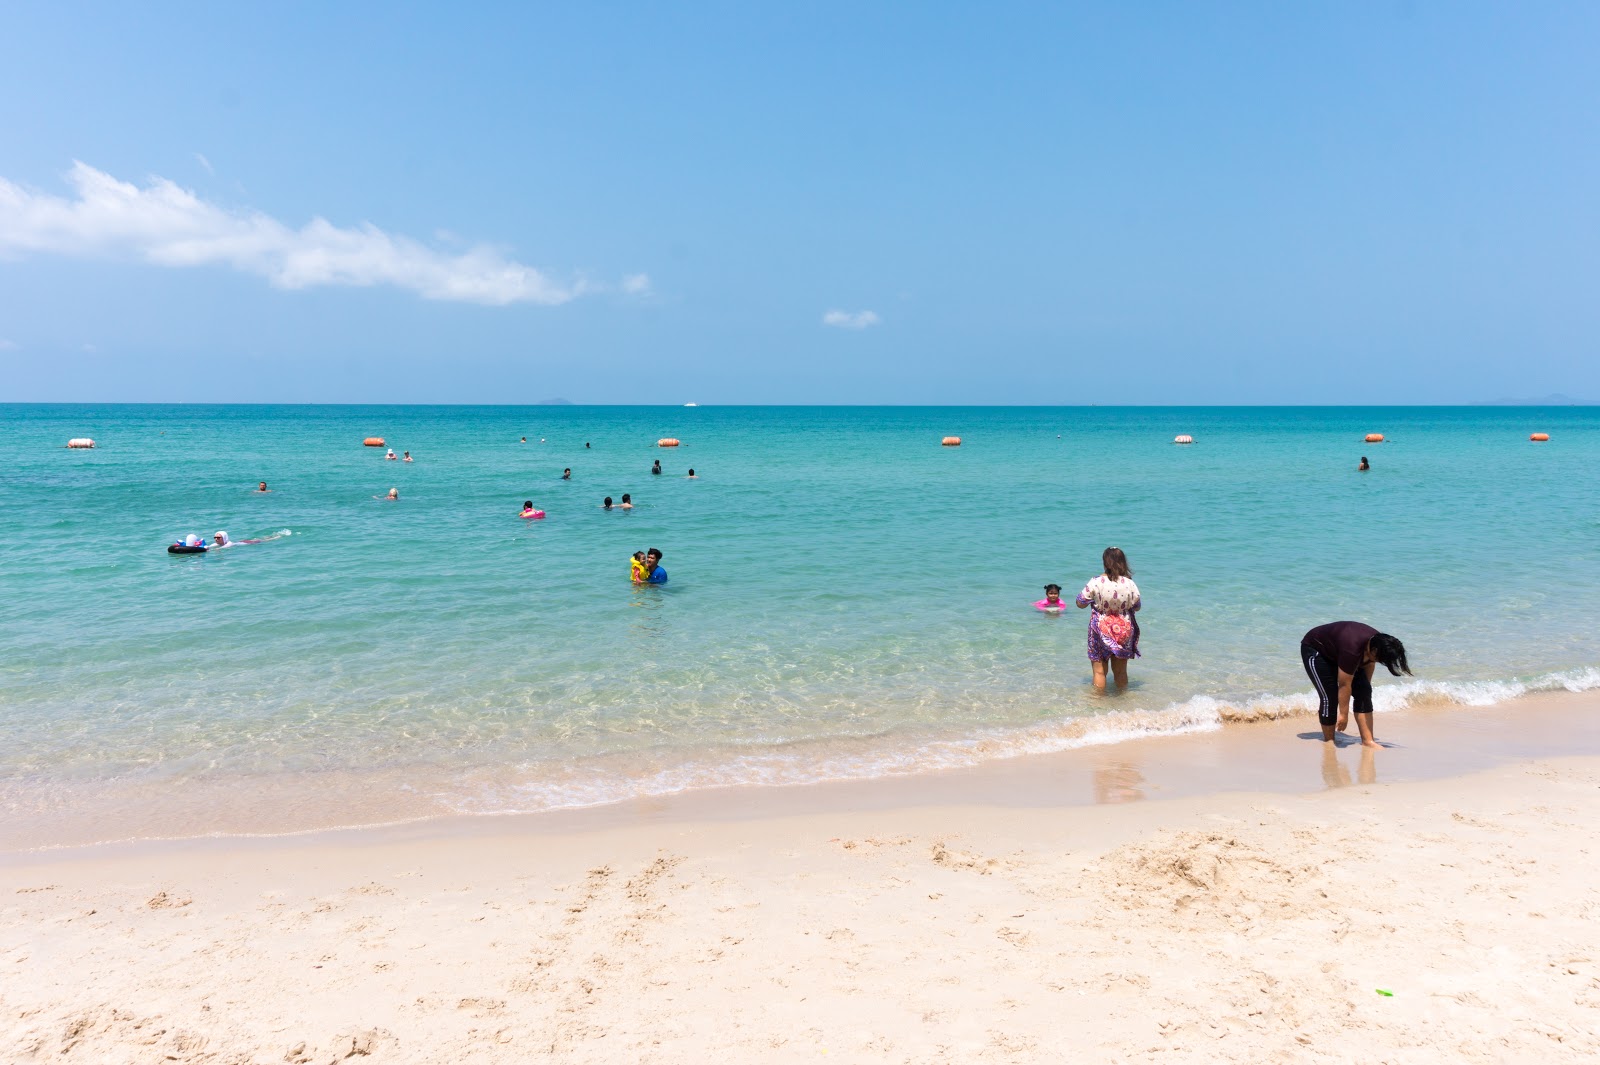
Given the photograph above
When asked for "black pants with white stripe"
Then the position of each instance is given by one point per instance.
(1324, 674)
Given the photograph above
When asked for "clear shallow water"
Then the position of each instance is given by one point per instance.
(847, 597)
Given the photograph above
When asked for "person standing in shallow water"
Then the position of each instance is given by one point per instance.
(1339, 658)
(1113, 600)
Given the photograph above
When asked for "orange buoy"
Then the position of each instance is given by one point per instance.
(373, 441)
(951, 441)
(1540, 436)
(1374, 438)
(668, 441)
(1183, 438)
(80, 441)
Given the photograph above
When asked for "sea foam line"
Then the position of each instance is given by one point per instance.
(789, 766)
(793, 764)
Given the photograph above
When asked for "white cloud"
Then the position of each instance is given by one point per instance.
(201, 156)
(9, 345)
(636, 284)
(171, 226)
(846, 320)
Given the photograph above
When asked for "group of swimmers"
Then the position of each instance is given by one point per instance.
(1339, 658)
(390, 456)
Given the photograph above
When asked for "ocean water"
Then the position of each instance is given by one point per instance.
(847, 597)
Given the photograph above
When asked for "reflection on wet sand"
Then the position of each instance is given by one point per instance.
(1117, 782)
(1335, 774)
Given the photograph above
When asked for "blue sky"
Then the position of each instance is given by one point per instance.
(825, 203)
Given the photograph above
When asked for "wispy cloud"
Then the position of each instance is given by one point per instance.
(203, 161)
(847, 320)
(636, 284)
(165, 224)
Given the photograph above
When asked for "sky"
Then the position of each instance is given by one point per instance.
(1154, 203)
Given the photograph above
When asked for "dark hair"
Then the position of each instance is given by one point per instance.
(626, 498)
(527, 504)
(1115, 563)
(654, 552)
(608, 501)
(1053, 588)
(1391, 652)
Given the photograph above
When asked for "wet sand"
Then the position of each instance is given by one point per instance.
(1249, 908)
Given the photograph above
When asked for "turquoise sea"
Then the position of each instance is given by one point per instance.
(847, 597)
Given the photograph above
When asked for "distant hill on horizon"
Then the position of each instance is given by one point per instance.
(1554, 399)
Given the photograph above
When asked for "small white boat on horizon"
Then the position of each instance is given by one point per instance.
(691, 404)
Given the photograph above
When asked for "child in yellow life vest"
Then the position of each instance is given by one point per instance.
(639, 570)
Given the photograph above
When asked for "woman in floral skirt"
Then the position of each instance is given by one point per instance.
(1112, 599)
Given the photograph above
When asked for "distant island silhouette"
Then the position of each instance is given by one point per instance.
(1554, 399)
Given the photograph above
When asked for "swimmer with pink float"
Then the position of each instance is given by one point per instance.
(529, 510)
(1051, 603)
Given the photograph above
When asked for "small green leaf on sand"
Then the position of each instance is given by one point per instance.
(1385, 994)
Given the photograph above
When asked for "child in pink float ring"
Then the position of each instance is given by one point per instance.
(1113, 629)
(1051, 603)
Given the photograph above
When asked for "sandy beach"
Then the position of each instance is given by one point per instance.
(937, 919)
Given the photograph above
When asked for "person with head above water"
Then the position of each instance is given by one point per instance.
(263, 487)
(1339, 658)
(528, 509)
(627, 501)
(391, 456)
(607, 504)
(637, 571)
(408, 458)
(692, 475)
(654, 574)
(221, 539)
(1051, 603)
(1364, 465)
(394, 493)
(657, 467)
(524, 440)
(1113, 629)
(566, 474)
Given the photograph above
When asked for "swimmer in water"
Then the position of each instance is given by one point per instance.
(524, 440)
(654, 574)
(1364, 465)
(263, 487)
(1051, 603)
(391, 456)
(566, 474)
(528, 510)
(408, 458)
(627, 501)
(586, 445)
(221, 540)
(638, 571)
(607, 504)
(692, 475)
(394, 494)
(656, 469)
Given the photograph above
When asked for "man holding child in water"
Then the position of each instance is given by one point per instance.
(1339, 658)
(646, 568)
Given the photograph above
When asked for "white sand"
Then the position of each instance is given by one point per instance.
(1224, 928)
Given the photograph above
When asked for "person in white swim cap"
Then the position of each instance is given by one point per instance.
(221, 539)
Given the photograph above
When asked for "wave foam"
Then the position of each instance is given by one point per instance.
(821, 762)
